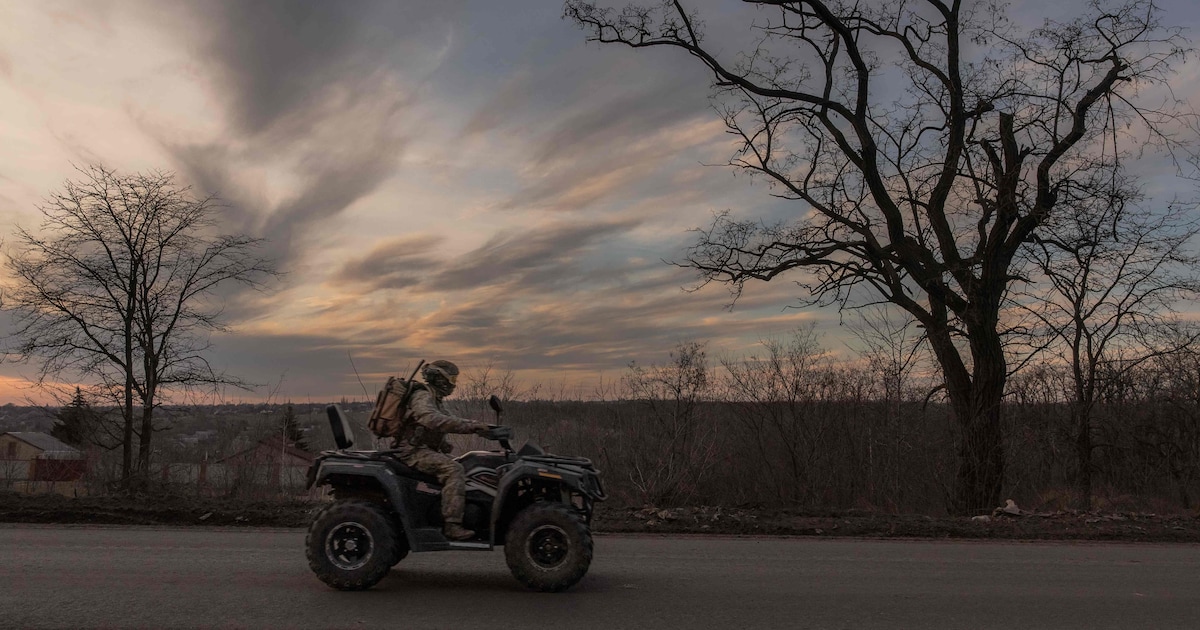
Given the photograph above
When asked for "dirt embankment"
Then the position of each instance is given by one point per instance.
(1063, 525)
(153, 510)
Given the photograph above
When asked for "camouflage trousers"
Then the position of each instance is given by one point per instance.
(448, 472)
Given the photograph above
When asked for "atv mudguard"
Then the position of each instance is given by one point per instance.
(338, 468)
(566, 481)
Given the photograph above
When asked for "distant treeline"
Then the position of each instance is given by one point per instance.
(866, 454)
(797, 429)
(794, 428)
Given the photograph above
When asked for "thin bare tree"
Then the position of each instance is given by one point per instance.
(925, 143)
(682, 443)
(777, 396)
(892, 345)
(119, 288)
(1116, 272)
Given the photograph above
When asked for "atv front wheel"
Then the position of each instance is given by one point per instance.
(548, 547)
(351, 544)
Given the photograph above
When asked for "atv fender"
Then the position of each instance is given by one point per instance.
(565, 481)
(332, 471)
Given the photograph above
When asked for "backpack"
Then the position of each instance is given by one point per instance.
(391, 407)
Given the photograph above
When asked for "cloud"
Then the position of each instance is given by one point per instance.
(409, 284)
(275, 60)
(392, 264)
(317, 97)
(615, 120)
(569, 297)
(577, 297)
(563, 292)
(603, 328)
(595, 127)
(539, 257)
(439, 179)
(322, 102)
(628, 171)
(302, 365)
(540, 340)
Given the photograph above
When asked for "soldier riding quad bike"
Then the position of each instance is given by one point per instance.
(537, 505)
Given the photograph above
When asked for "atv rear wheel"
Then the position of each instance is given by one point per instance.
(352, 544)
(548, 547)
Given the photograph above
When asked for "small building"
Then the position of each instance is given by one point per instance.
(38, 462)
(268, 466)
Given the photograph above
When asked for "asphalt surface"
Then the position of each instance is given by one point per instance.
(83, 577)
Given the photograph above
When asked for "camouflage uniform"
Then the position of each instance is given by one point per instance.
(423, 446)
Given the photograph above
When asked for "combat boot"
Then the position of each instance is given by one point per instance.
(455, 531)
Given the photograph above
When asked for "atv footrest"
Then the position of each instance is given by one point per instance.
(428, 539)
(478, 546)
(431, 539)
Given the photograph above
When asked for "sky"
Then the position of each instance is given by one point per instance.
(467, 180)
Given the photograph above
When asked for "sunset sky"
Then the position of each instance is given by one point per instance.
(461, 180)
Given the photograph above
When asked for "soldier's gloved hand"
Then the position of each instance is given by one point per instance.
(483, 429)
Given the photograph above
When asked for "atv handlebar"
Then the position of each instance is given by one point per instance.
(500, 434)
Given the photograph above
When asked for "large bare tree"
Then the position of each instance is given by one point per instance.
(118, 289)
(925, 142)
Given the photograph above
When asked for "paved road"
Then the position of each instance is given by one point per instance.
(161, 577)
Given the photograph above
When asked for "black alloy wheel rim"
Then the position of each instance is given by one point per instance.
(349, 546)
(548, 546)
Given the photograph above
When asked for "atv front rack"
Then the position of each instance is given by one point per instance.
(582, 462)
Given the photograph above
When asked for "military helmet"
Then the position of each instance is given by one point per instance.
(441, 375)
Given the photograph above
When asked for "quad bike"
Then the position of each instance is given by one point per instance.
(537, 505)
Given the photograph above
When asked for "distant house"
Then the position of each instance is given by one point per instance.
(270, 465)
(38, 462)
(197, 437)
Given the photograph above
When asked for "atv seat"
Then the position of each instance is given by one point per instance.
(404, 470)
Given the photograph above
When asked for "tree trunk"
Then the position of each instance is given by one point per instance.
(976, 400)
(144, 442)
(127, 413)
(127, 315)
(980, 464)
(127, 441)
(1083, 453)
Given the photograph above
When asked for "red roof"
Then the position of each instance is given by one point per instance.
(50, 446)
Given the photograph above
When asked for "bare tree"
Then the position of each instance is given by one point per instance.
(922, 184)
(486, 380)
(1172, 441)
(892, 345)
(682, 443)
(119, 287)
(1116, 272)
(776, 397)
